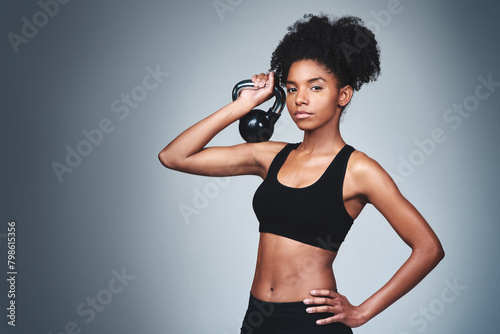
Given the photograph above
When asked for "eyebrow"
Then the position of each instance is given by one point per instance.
(308, 81)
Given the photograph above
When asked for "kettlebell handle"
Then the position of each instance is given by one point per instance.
(258, 125)
(279, 94)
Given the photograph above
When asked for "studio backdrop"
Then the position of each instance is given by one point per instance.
(96, 236)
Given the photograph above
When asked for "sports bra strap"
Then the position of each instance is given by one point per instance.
(280, 159)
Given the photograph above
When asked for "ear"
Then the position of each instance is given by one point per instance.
(345, 95)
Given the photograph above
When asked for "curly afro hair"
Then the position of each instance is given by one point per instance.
(344, 46)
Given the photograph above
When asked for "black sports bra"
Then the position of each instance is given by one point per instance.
(313, 215)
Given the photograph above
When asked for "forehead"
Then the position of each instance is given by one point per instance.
(305, 70)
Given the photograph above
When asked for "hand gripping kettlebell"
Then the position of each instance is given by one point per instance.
(258, 125)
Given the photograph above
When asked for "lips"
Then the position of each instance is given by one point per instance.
(300, 114)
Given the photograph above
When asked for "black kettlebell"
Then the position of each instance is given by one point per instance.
(258, 125)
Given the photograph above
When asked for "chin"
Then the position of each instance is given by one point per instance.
(304, 126)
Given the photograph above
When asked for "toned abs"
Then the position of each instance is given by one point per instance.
(287, 270)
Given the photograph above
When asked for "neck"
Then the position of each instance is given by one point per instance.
(323, 140)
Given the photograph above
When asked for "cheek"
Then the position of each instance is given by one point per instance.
(290, 103)
(327, 103)
(333, 98)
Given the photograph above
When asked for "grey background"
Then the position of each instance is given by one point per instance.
(119, 209)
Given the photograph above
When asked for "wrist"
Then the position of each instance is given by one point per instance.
(242, 106)
(363, 314)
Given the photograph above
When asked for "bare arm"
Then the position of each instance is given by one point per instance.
(377, 187)
(426, 250)
(187, 152)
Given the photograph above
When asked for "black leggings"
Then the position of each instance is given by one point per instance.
(286, 318)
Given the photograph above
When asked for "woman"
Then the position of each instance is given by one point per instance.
(312, 191)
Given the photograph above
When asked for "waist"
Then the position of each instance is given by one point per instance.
(287, 317)
(287, 270)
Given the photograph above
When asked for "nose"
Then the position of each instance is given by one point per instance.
(301, 97)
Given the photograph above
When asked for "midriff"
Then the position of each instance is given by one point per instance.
(287, 270)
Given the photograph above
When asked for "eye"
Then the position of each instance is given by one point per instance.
(291, 90)
(316, 88)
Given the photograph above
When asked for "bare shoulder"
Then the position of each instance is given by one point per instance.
(265, 152)
(360, 164)
(368, 175)
(270, 147)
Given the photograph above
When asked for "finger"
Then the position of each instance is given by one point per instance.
(269, 77)
(329, 320)
(318, 301)
(270, 80)
(257, 78)
(265, 81)
(326, 302)
(324, 292)
(260, 80)
(322, 309)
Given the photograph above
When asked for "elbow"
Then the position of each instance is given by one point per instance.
(167, 160)
(435, 252)
(440, 253)
(430, 252)
(163, 157)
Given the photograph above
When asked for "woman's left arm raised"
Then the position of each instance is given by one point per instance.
(375, 186)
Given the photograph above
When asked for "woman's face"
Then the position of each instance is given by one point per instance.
(312, 95)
